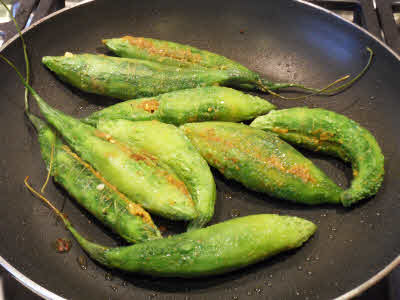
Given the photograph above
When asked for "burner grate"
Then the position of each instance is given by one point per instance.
(25, 12)
(379, 17)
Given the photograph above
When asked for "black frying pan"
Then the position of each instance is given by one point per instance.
(283, 40)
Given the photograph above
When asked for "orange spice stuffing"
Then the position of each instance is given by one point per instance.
(146, 157)
(280, 130)
(185, 55)
(300, 171)
(149, 105)
(133, 208)
(178, 183)
(323, 135)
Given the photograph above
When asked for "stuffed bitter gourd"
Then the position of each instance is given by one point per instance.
(126, 78)
(91, 190)
(171, 146)
(185, 56)
(213, 250)
(335, 134)
(190, 105)
(262, 162)
(135, 173)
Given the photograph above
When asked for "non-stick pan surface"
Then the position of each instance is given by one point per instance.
(282, 40)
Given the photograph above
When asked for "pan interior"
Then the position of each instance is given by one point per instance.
(283, 41)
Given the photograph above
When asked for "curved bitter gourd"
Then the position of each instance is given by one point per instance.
(335, 134)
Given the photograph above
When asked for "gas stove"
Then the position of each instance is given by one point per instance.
(379, 17)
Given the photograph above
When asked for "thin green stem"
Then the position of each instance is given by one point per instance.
(317, 92)
(27, 69)
(347, 84)
(266, 86)
(40, 196)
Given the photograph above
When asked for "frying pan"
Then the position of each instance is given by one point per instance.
(282, 40)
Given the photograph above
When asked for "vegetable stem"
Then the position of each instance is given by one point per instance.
(266, 86)
(40, 196)
(27, 69)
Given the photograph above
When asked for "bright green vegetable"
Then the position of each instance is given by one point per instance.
(171, 146)
(217, 249)
(332, 133)
(126, 78)
(92, 191)
(184, 56)
(87, 186)
(135, 173)
(191, 105)
(262, 162)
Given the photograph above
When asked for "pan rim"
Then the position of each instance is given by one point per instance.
(29, 283)
(358, 290)
(46, 294)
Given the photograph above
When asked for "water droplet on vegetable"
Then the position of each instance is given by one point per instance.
(187, 247)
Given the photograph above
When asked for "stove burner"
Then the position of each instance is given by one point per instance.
(25, 12)
(379, 17)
